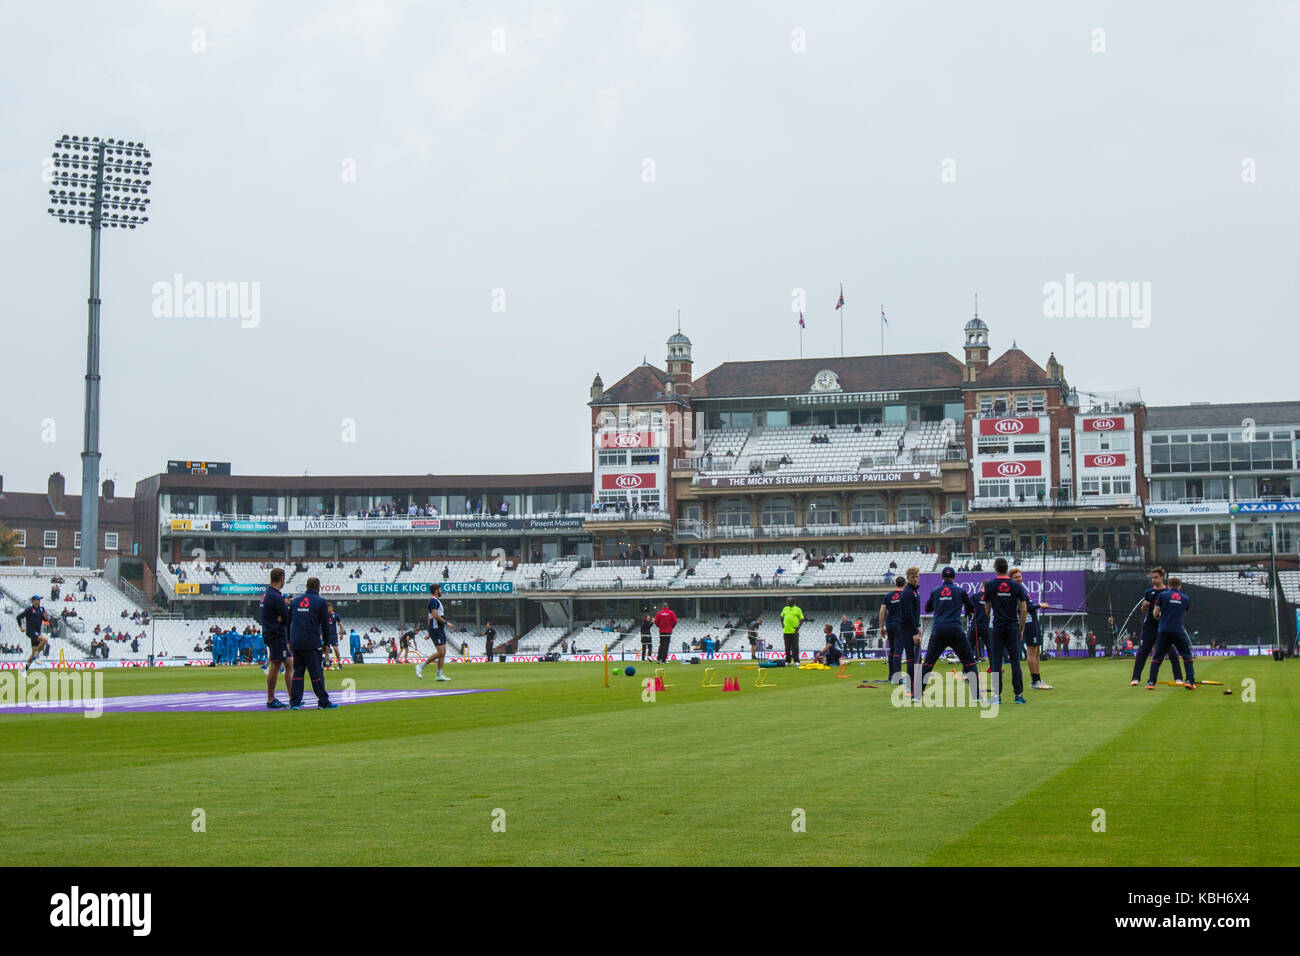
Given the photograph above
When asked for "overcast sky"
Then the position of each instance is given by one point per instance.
(455, 213)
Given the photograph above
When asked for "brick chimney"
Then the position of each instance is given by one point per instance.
(55, 491)
(109, 488)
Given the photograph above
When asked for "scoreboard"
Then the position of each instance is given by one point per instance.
(185, 467)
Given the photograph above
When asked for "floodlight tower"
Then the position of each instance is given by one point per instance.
(97, 183)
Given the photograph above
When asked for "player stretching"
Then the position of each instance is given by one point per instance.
(332, 638)
(1171, 607)
(1033, 636)
(1149, 628)
(947, 602)
(31, 619)
(1007, 604)
(437, 631)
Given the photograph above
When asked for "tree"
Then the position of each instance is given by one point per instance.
(8, 544)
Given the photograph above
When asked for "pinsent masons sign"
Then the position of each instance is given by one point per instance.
(849, 478)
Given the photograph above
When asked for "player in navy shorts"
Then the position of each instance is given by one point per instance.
(273, 615)
(437, 631)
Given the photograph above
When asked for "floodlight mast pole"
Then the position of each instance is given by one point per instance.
(104, 184)
(90, 444)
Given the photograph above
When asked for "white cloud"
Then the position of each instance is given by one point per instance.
(370, 22)
(657, 32)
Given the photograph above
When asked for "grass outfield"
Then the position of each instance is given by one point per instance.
(590, 775)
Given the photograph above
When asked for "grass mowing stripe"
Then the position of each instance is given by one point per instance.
(1203, 779)
(589, 775)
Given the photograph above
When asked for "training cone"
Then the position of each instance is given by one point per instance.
(659, 683)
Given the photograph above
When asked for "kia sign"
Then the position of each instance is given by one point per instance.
(1110, 424)
(1008, 426)
(1011, 469)
(627, 482)
(626, 440)
(1105, 460)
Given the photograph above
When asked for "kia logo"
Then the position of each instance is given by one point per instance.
(1010, 469)
(1103, 460)
(1009, 426)
(1104, 424)
(628, 481)
(627, 440)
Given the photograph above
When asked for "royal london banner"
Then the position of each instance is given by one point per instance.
(1062, 589)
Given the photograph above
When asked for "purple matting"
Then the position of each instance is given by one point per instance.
(232, 701)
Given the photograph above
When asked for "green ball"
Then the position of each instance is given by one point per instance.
(617, 672)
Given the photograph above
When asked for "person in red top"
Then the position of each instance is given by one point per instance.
(665, 620)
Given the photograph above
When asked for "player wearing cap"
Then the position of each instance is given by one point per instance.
(437, 633)
(948, 603)
(889, 620)
(1033, 636)
(31, 619)
(1007, 603)
(1171, 607)
(1150, 626)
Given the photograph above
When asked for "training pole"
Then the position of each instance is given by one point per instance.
(605, 656)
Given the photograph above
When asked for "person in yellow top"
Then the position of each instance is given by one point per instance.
(791, 618)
